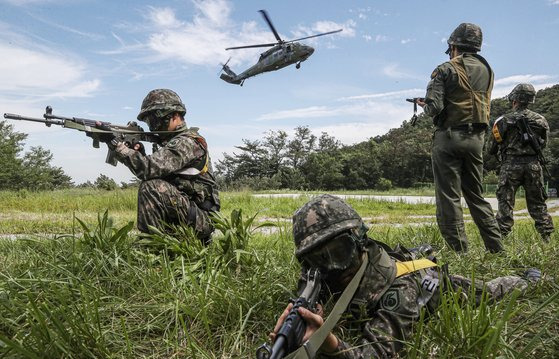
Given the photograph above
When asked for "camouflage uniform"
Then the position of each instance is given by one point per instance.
(458, 99)
(520, 167)
(177, 183)
(384, 308)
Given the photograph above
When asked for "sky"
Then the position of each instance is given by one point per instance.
(98, 60)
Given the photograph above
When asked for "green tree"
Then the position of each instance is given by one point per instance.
(31, 170)
(38, 174)
(11, 144)
(105, 182)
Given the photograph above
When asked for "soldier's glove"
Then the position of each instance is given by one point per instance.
(532, 275)
(121, 148)
(138, 146)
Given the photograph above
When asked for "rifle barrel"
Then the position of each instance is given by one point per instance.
(13, 116)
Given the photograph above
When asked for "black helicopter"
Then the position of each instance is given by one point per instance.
(281, 54)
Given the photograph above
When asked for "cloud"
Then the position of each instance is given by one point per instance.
(381, 38)
(393, 94)
(351, 122)
(202, 40)
(515, 79)
(405, 41)
(39, 74)
(504, 86)
(348, 29)
(367, 37)
(393, 71)
(553, 2)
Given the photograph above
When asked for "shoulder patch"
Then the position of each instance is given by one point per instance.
(434, 73)
(496, 133)
(390, 300)
(173, 142)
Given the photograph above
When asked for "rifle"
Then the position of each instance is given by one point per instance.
(290, 335)
(99, 131)
(414, 101)
(527, 137)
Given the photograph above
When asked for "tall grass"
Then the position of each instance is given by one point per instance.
(102, 292)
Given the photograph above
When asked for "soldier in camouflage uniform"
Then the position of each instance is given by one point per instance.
(331, 236)
(458, 98)
(177, 183)
(520, 164)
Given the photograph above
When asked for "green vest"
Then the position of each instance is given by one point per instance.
(465, 104)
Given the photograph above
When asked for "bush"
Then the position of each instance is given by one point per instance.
(384, 184)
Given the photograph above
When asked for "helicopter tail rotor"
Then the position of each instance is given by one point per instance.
(224, 66)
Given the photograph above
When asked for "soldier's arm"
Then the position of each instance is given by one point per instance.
(434, 98)
(167, 160)
(383, 335)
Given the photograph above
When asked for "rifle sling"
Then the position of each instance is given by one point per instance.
(309, 348)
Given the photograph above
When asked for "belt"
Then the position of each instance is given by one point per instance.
(521, 158)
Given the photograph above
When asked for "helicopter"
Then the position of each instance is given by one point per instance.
(281, 54)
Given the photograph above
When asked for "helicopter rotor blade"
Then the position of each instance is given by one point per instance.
(267, 18)
(250, 46)
(308, 37)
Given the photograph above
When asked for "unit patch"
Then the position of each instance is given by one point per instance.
(390, 300)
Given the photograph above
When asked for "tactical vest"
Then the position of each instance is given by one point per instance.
(200, 166)
(196, 179)
(463, 104)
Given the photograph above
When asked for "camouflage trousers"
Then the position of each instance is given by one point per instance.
(161, 203)
(515, 173)
(494, 289)
(457, 170)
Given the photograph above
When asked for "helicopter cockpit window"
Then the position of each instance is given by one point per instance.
(288, 48)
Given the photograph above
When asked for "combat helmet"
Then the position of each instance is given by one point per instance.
(161, 103)
(466, 35)
(321, 219)
(523, 93)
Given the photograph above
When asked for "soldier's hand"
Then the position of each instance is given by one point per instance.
(313, 322)
(420, 102)
(138, 146)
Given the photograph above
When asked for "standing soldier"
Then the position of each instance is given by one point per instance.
(458, 98)
(177, 183)
(521, 164)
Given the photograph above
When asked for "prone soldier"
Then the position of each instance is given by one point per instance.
(383, 289)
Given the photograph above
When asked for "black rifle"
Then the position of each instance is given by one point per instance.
(414, 101)
(527, 137)
(106, 132)
(290, 336)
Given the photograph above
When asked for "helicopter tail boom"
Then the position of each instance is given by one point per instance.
(229, 75)
(230, 79)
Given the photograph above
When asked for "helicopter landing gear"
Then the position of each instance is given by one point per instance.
(298, 66)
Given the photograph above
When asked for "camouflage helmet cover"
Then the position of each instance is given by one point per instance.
(466, 35)
(524, 93)
(161, 102)
(320, 219)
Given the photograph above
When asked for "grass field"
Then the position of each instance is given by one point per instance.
(77, 283)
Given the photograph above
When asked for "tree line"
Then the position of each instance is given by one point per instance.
(302, 161)
(401, 157)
